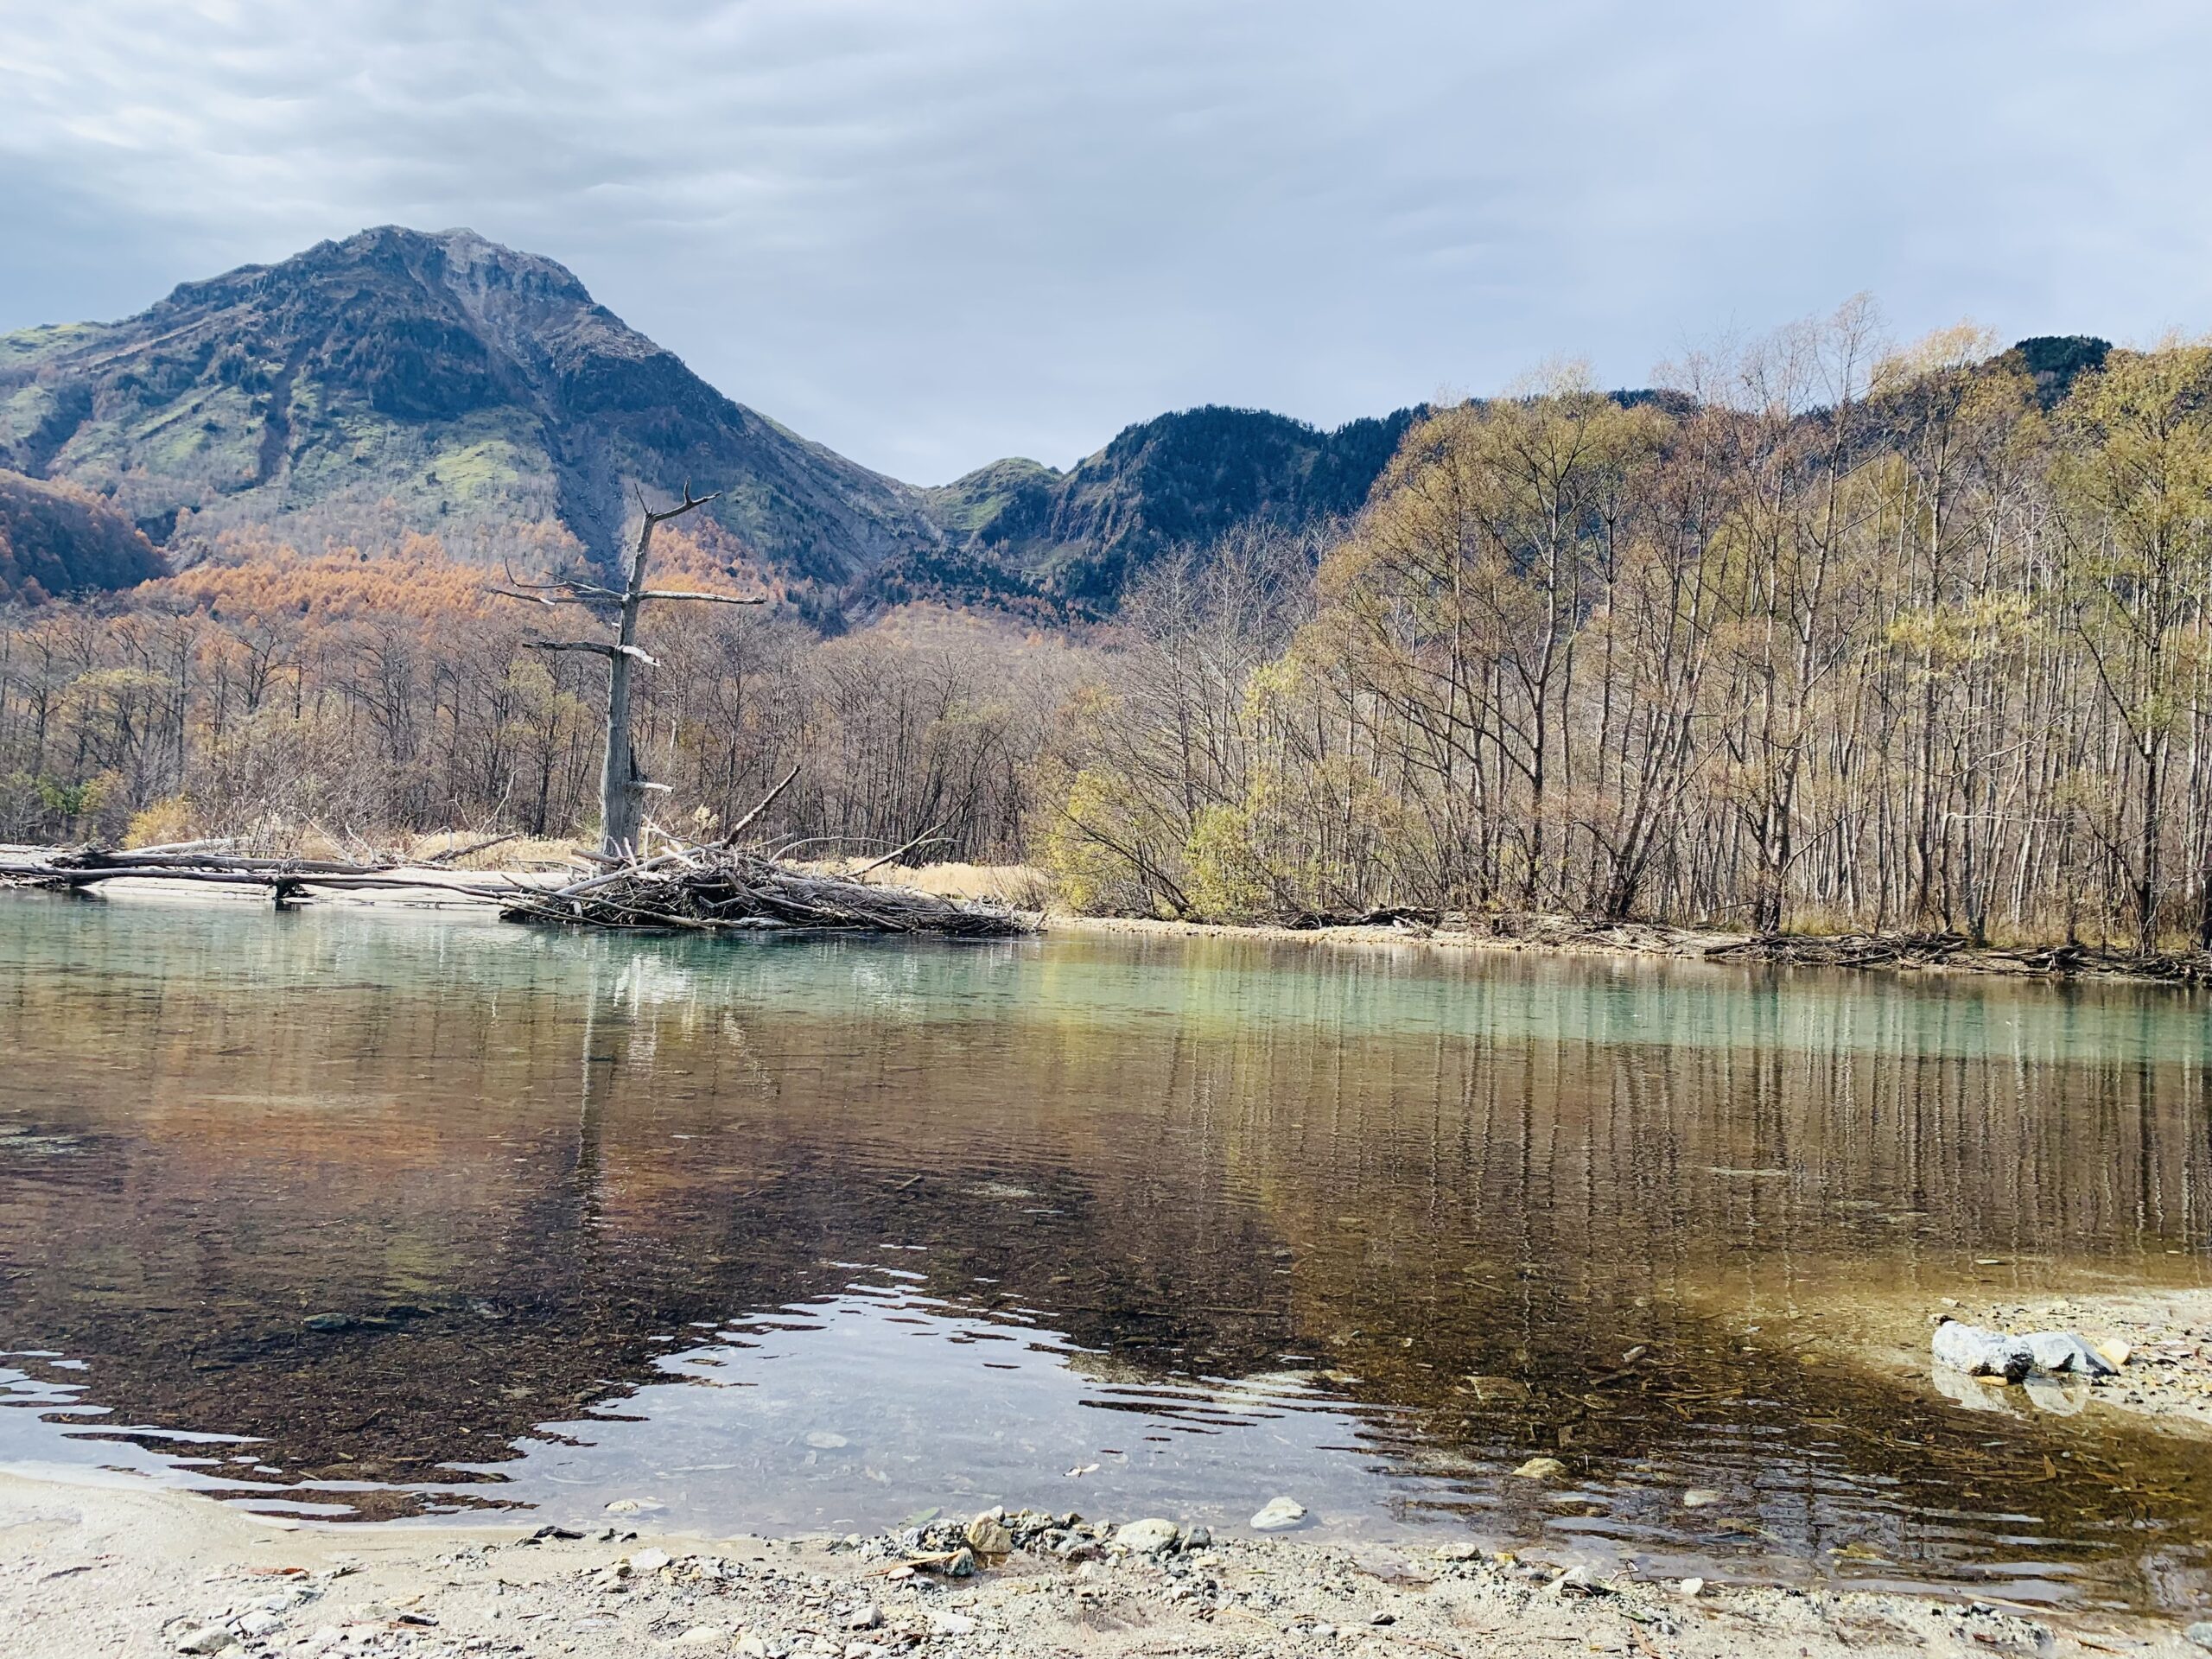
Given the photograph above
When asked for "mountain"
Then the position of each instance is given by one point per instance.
(398, 379)
(57, 539)
(1078, 537)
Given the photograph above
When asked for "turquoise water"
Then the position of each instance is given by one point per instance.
(378, 1215)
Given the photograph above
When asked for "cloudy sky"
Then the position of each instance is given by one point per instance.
(929, 232)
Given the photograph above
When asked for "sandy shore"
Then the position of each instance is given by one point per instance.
(117, 1571)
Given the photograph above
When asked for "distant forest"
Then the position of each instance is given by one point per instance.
(1822, 636)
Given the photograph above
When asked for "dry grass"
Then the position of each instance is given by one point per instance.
(1023, 886)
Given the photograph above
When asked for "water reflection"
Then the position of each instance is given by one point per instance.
(436, 1213)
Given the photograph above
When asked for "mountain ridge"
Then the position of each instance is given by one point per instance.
(399, 380)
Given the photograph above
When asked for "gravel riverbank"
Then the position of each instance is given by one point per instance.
(119, 1571)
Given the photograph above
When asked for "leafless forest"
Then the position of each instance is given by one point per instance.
(1823, 636)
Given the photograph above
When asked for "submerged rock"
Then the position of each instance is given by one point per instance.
(1540, 1469)
(1278, 1515)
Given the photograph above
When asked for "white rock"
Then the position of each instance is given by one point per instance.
(204, 1638)
(649, 1560)
(1278, 1515)
(700, 1635)
(258, 1623)
(1149, 1536)
(633, 1506)
(822, 1440)
(1692, 1588)
(752, 1647)
(1978, 1352)
(952, 1624)
(2061, 1351)
(1700, 1498)
(866, 1618)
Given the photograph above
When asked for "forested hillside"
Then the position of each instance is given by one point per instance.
(1077, 538)
(56, 539)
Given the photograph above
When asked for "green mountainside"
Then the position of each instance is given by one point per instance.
(437, 383)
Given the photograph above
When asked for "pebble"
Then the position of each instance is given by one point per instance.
(649, 1560)
(204, 1638)
(2200, 1633)
(1541, 1469)
(700, 1635)
(1277, 1514)
(1692, 1588)
(1700, 1498)
(867, 1618)
(952, 1624)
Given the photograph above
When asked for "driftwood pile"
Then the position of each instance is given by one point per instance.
(683, 887)
(712, 889)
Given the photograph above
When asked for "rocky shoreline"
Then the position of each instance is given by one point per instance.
(128, 1571)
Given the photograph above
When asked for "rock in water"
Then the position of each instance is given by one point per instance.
(1541, 1469)
(2061, 1351)
(1148, 1537)
(1278, 1515)
(1978, 1352)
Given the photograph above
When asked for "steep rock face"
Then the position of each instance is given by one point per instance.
(1075, 539)
(441, 381)
(58, 540)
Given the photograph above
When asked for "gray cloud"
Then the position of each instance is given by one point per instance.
(929, 234)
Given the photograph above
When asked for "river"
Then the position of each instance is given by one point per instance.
(373, 1215)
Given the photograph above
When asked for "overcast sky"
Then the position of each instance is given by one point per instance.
(930, 232)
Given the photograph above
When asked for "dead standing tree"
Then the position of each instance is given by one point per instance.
(622, 786)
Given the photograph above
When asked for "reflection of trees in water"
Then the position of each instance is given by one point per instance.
(513, 1195)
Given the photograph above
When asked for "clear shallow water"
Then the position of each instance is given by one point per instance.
(371, 1215)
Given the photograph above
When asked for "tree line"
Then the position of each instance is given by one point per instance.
(1821, 636)
(1824, 636)
(354, 695)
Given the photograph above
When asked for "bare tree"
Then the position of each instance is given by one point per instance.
(622, 784)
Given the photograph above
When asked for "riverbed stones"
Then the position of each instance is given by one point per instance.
(1278, 1515)
(986, 1535)
(649, 1560)
(1541, 1469)
(1154, 1535)
(204, 1638)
